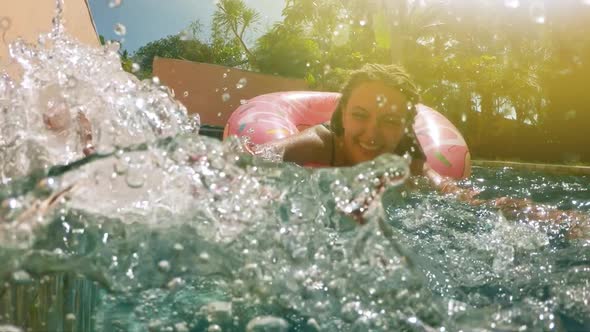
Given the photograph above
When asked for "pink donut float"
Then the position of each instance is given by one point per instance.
(274, 116)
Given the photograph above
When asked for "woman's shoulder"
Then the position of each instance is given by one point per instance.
(312, 145)
(324, 131)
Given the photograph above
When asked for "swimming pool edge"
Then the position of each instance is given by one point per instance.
(548, 168)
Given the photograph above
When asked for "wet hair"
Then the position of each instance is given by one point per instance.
(393, 76)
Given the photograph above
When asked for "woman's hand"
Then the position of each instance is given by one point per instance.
(447, 185)
(369, 202)
(519, 208)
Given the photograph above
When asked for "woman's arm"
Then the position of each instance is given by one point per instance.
(519, 208)
(312, 145)
(447, 185)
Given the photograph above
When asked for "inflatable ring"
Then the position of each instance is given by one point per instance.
(274, 116)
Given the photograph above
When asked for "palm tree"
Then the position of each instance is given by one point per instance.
(235, 18)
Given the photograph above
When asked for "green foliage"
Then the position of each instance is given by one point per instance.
(382, 31)
(228, 53)
(126, 62)
(172, 47)
(231, 21)
(286, 51)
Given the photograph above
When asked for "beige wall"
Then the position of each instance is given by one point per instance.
(30, 18)
(200, 87)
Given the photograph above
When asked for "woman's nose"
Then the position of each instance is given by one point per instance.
(371, 129)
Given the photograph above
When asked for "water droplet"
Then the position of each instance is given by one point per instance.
(178, 247)
(121, 166)
(11, 204)
(307, 64)
(156, 80)
(140, 103)
(381, 101)
(537, 12)
(242, 83)
(313, 325)
(224, 75)
(135, 179)
(154, 325)
(571, 114)
(164, 266)
(185, 94)
(243, 101)
(135, 67)
(363, 23)
(225, 97)
(214, 328)
(350, 311)
(115, 3)
(120, 29)
(267, 323)
(181, 327)
(218, 311)
(47, 185)
(174, 283)
(204, 257)
(70, 316)
(512, 3)
(184, 35)
(21, 276)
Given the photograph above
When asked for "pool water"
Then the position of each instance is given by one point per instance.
(295, 263)
(164, 230)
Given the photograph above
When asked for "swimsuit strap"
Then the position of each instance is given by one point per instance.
(327, 126)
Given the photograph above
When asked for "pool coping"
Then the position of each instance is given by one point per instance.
(549, 168)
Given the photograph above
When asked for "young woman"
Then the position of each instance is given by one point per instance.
(374, 116)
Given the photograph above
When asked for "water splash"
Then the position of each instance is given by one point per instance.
(179, 232)
(72, 95)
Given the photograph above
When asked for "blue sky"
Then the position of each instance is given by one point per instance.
(148, 20)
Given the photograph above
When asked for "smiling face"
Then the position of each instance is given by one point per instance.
(373, 121)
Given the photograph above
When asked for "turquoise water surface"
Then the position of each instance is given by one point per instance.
(295, 263)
